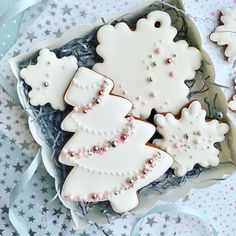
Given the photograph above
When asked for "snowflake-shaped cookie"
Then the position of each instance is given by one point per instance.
(190, 139)
(226, 34)
(148, 67)
(49, 79)
(232, 102)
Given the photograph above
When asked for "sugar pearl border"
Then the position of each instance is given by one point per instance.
(97, 100)
(120, 138)
(130, 182)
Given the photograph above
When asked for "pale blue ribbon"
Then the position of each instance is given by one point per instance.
(21, 230)
(176, 209)
(8, 14)
(17, 8)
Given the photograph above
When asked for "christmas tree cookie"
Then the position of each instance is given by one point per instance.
(49, 79)
(147, 65)
(109, 152)
(191, 138)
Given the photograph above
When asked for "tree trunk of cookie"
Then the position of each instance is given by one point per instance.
(124, 201)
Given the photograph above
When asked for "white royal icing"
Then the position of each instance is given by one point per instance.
(49, 78)
(232, 102)
(226, 34)
(147, 66)
(190, 139)
(106, 175)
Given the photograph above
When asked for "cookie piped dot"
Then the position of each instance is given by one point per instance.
(45, 84)
(153, 94)
(157, 51)
(196, 141)
(186, 136)
(150, 79)
(171, 74)
(169, 60)
(155, 63)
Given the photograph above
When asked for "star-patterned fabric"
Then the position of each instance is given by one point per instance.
(36, 208)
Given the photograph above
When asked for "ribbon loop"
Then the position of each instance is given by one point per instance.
(21, 230)
(16, 9)
(175, 209)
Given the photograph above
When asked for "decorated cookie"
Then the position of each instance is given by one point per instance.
(108, 150)
(232, 102)
(190, 139)
(147, 66)
(49, 79)
(226, 34)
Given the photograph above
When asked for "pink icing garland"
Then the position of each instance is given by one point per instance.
(129, 183)
(108, 144)
(95, 101)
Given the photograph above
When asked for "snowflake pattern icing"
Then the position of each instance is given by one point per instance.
(190, 139)
(226, 34)
(147, 66)
(49, 78)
